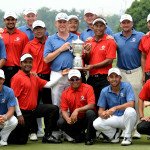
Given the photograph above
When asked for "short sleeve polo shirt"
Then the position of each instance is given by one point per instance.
(26, 89)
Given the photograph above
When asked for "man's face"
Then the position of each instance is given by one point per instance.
(39, 32)
(126, 25)
(10, 22)
(26, 65)
(148, 24)
(89, 18)
(73, 25)
(30, 18)
(114, 79)
(75, 82)
(99, 29)
(61, 25)
(1, 81)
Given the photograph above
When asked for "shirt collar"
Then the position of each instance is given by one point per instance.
(36, 41)
(110, 90)
(78, 90)
(15, 30)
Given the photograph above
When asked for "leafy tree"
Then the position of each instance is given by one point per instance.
(139, 10)
(1, 18)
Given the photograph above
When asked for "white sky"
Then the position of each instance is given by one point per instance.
(103, 6)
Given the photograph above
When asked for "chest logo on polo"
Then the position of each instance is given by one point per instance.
(122, 95)
(17, 39)
(133, 40)
(82, 98)
(102, 47)
(3, 101)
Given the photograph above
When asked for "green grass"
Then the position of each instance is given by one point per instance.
(142, 144)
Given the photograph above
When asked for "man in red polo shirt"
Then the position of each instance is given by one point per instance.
(26, 87)
(144, 47)
(14, 41)
(99, 54)
(77, 107)
(144, 126)
(36, 48)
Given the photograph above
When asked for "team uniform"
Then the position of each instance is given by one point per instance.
(7, 100)
(62, 61)
(90, 33)
(28, 31)
(122, 119)
(27, 93)
(36, 49)
(129, 59)
(145, 48)
(14, 44)
(72, 99)
(144, 126)
(101, 50)
(2, 50)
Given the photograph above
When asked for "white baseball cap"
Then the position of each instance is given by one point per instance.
(10, 14)
(61, 16)
(25, 56)
(148, 18)
(91, 11)
(29, 10)
(38, 23)
(2, 75)
(126, 17)
(99, 20)
(114, 70)
(74, 72)
(73, 17)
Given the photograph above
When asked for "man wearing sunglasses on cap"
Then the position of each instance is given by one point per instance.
(77, 107)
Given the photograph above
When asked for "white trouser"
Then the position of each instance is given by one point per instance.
(8, 127)
(135, 79)
(59, 87)
(108, 126)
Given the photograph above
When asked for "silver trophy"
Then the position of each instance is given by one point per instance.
(77, 46)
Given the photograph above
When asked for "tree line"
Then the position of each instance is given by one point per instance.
(138, 10)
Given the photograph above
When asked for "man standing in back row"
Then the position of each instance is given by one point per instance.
(15, 41)
(129, 56)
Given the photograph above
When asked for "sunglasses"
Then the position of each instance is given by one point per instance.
(74, 79)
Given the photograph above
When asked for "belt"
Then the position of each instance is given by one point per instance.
(43, 75)
(147, 73)
(10, 68)
(98, 75)
(130, 71)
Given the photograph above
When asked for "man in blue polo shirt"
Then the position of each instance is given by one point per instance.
(57, 51)
(116, 109)
(89, 17)
(8, 121)
(129, 56)
(2, 53)
(30, 15)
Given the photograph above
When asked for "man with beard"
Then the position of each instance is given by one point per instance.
(15, 41)
(116, 109)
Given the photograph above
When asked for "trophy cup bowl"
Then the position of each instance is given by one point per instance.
(77, 46)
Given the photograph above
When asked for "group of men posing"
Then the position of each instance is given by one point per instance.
(36, 63)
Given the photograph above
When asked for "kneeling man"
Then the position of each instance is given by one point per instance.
(116, 109)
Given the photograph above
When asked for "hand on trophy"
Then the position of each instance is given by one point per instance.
(88, 67)
(65, 47)
(87, 48)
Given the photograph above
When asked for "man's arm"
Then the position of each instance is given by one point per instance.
(51, 56)
(120, 107)
(66, 116)
(143, 59)
(2, 62)
(75, 113)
